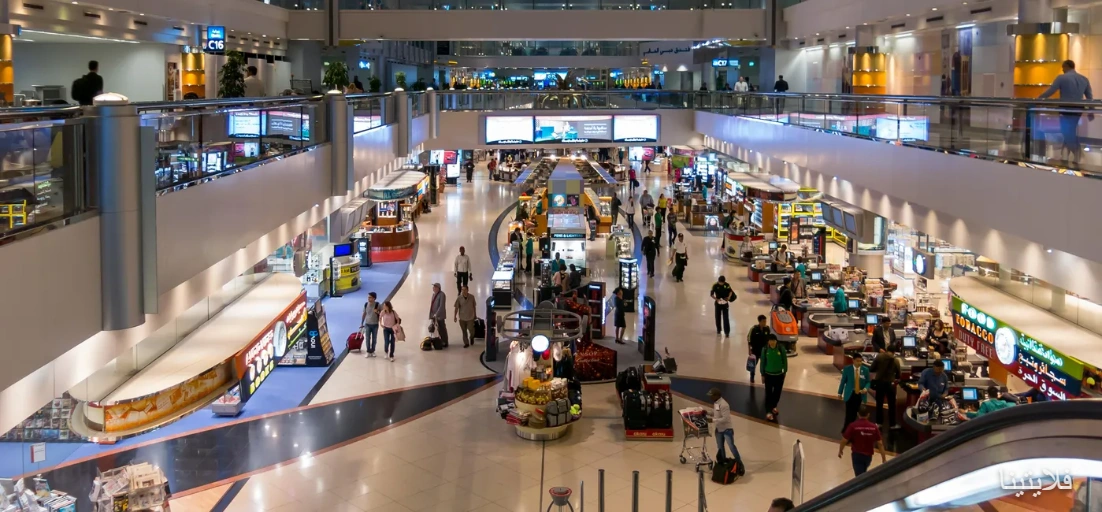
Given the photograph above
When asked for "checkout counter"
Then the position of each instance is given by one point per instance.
(503, 281)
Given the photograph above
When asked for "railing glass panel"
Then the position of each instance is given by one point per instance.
(43, 172)
(546, 5)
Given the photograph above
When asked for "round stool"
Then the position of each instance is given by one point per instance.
(560, 496)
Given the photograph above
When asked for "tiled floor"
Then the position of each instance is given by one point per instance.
(465, 457)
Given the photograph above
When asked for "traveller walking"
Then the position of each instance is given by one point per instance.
(680, 257)
(885, 376)
(369, 324)
(723, 296)
(615, 207)
(390, 321)
(529, 246)
(658, 217)
(629, 211)
(862, 436)
(662, 203)
(774, 366)
(671, 227)
(575, 278)
(853, 388)
(725, 430)
(757, 339)
(465, 312)
(618, 315)
(438, 315)
(254, 87)
(632, 181)
(1072, 87)
(470, 171)
(88, 86)
(462, 269)
(650, 250)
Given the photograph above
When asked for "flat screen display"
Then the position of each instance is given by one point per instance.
(969, 395)
(502, 130)
(635, 128)
(816, 277)
(450, 157)
(909, 342)
(451, 170)
(903, 127)
(342, 250)
(573, 129)
(245, 124)
(854, 304)
(870, 319)
(246, 149)
(293, 125)
(838, 221)
(948, 364)
(851, 222)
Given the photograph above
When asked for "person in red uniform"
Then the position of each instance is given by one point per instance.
(863, 436)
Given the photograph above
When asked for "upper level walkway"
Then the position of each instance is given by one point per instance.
(223, 183)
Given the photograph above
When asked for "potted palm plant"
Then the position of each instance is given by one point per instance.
(336, 75)
(231, 78)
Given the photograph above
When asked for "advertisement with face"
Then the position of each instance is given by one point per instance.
(502, 130)
(573, 129)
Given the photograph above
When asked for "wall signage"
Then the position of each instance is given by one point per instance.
(216, 40)
(719, 63)
(255, 363)
(1055, 374)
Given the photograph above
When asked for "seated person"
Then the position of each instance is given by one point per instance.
(993, 403)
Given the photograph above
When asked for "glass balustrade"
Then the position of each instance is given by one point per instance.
(43, 170)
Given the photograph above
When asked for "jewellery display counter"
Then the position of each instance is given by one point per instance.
(619, 244)
(503, 281)
(604, 209)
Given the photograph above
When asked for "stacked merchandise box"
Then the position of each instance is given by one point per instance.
(136, 487)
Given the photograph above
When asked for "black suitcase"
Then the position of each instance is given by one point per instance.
(479, 328)
(661, 410)
(635, 410)
(437, 343)
(725, 472)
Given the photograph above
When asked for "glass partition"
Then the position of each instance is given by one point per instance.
(43, 174)
(552, 5)
(194, 146)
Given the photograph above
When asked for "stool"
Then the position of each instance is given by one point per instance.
(560, 496)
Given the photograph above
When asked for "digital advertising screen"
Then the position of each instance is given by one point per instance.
(501, 130)
(903, 127)
(292, 125)
(451, 171)
(450, 157)
(573, 129)
(641, 153)
(245, 124)
(635, 128)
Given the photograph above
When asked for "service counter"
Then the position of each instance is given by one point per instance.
(843, 351)
(803, 307)
(772, 281)
(821, 322)
(735, 239)
(753, 271)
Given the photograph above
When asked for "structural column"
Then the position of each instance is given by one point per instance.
(115, 158)
(341, 131)
(403, 122)
(434, 113)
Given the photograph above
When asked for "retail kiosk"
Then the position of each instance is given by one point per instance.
(398, 197)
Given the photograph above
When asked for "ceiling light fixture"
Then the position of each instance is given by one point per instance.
(28, 31)
(934, 9)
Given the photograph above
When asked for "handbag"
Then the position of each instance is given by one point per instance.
(399, 332)
(751, 363)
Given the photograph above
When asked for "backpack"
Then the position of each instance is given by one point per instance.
(79, 91)
(725, 471)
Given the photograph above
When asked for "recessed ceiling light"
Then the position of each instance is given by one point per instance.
(74, 3)
(141, 14)
(908, 15)
(110, 8)
(934, 9)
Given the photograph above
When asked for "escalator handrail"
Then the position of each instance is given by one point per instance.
(1080, 409)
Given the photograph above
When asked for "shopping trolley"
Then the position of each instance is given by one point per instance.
(648, 216)
(696, 427)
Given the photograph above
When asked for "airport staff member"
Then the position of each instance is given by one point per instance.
(993, 403)
(841, 305)
(723, 296)
(935, 380)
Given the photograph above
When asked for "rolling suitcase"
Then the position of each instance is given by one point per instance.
(725, 472)
(355, 341)
(479, 328)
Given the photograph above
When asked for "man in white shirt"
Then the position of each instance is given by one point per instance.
(742, 85)
(254, 88)
(725, 430)
(462, 269)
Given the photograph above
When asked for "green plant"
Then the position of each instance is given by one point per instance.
(419, 85)
(375, 85)
(400, 79)
(336, 75)
(231, 78)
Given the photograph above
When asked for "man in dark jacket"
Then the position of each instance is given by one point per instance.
(757, 338)
(89, 86)
(885, 375)
(650, 250)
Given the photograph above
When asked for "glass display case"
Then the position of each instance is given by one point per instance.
(502, 284)
(403, 227)
(629, 281)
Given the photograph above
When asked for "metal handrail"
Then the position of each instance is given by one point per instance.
(146, 106)
(44, 111)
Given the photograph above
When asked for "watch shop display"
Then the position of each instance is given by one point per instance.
(629, 281)
(15, 496)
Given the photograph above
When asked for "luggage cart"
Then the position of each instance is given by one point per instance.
(648, 216)
(696, 427)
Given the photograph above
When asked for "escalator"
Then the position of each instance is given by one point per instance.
(1044, 456)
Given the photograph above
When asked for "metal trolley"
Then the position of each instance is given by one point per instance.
(696, 427)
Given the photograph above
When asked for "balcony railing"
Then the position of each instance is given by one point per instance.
(43, 170)
(521, 5)
(1057, 136)
(563, 100)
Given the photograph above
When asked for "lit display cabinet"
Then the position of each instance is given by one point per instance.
(629, 281)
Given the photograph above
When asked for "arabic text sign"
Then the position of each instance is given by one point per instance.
(1034, 481)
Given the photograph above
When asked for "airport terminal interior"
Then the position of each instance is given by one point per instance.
(343, 255)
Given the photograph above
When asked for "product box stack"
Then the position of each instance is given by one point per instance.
(138, 487)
